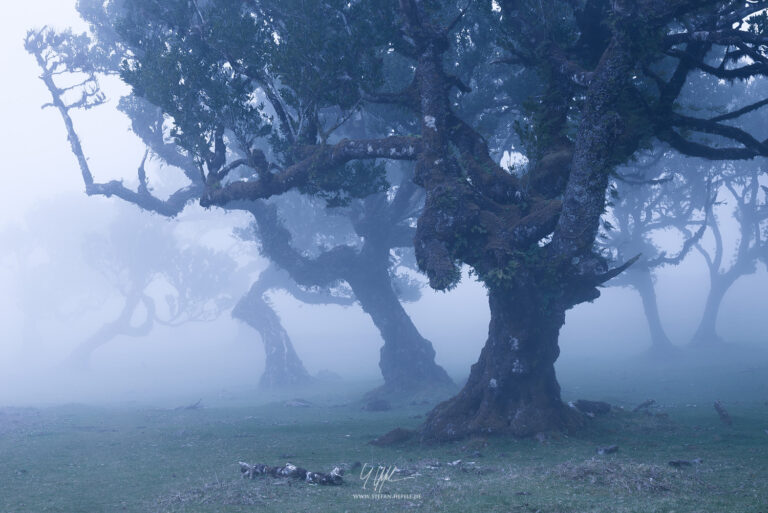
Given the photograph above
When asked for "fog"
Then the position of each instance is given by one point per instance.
(57, 292)
(501, 256)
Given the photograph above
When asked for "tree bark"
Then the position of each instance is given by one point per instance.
(642, 280)
(282, 368)
(512, 388)
(407, 360)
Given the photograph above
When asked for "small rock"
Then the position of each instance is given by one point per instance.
(298, 403)
(593, 407)
(610, 449)
(454, 463)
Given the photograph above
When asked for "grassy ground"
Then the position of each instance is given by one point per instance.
(80, 458)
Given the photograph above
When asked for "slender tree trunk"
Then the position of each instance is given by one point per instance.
(706, 332)
(642, 281)
(407, 359)
(283, 367)
(512, 388)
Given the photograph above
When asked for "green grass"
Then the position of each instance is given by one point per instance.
(80, 458)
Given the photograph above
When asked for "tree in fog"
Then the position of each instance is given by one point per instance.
(407, 359)
(261, 87)
(142, 260)
(742, 193)
(39, 253)
(373, 265)
(662, 194)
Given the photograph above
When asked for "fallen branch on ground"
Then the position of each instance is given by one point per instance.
(608, 450)
(684, 463)
(289, 470)
(193, 406)
(644, 405)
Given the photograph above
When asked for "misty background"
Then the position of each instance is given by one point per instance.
(57, 291)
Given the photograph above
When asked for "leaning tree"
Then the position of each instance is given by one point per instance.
(261, 85)
(368, 265)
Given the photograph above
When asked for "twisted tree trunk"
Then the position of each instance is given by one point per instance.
(512, 388)
(408, 365)
(282, 367)
(407, 359)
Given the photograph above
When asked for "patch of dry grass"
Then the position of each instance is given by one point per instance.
(627, 476)
(227, 492)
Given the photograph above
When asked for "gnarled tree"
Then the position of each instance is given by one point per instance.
(407, 359)
(610, 77)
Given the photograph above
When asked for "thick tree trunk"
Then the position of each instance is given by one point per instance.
(407, 359)
(642, 280)
(512, 388)
(282, 368)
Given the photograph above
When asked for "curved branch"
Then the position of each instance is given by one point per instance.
(317, 159)
(143, 198)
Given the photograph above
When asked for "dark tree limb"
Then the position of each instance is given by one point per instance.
(317, 159)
